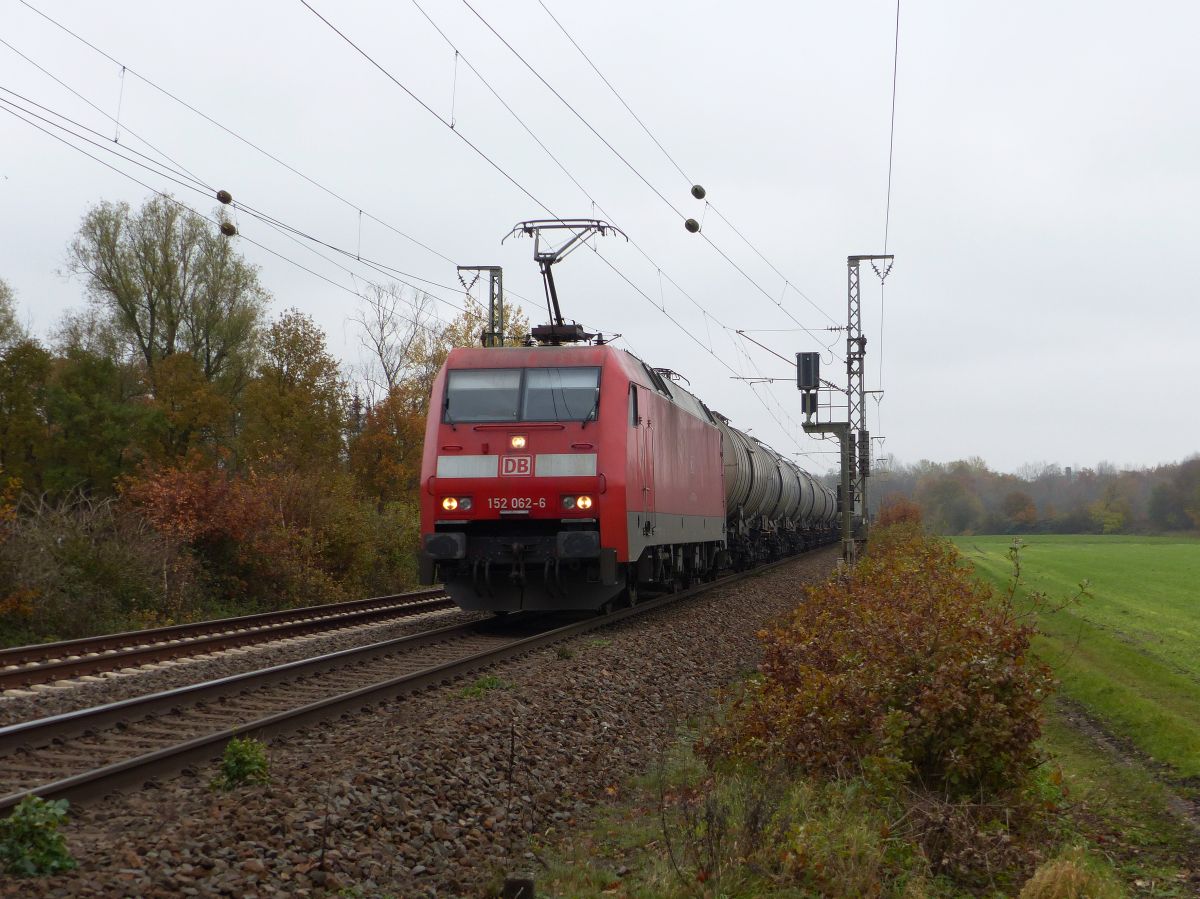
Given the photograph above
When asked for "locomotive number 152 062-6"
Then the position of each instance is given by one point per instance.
(516, 502)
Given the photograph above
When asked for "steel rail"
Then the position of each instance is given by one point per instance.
(42, 731)
(144, 768)
(73, 658)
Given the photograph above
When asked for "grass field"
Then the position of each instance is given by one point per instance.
(1128, 658)
(1129, 652)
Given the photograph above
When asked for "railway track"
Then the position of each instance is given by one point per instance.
(24, 666)
(85, 754)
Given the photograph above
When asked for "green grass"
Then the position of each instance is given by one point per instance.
(835, 826)
(1121, 811)
(482, 687)
(1129, 652)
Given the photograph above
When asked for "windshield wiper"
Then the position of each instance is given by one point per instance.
(592, 414)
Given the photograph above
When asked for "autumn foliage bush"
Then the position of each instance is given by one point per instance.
(278, 536)
(905, 665)
(898, 509)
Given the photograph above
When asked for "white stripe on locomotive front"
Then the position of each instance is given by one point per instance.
(546, 465)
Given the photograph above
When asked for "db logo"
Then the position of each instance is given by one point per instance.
(516, 466)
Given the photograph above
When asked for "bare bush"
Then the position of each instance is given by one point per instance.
(79, 566)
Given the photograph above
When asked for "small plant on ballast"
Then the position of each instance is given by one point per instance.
(483, 685)
(244, 762)
(30, 842)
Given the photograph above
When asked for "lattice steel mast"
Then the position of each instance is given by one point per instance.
(853, 437)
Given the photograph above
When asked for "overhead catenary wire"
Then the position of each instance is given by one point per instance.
(232, 133)
(658, 143)
(180, 178)
(503, 172)
(286, 231)
(188, 181)
(165, 171)
(790, 433)
(114, 119)
(706, 314)
(887, 215)
(203, 188)
(242, 139)
(175, 201)
(596, 205)
(458, 54)
(632, 167)
(357, 256)
(433, 112)
(245, 141)
(181, 171)
(180, 175)
(510, 178)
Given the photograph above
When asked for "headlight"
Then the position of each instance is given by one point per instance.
(583, 502)
(450, 504)
(518, 442)
(568, 502)
(464, 503)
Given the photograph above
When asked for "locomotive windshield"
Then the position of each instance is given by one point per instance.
(515, 394)
(560, 394)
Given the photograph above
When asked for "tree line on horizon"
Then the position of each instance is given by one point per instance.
(174, 450)
(967, 497)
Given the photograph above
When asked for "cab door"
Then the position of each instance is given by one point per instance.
(642, 475)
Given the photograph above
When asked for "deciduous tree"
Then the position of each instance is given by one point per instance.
(1018, 507)
(294, 409)
(11, 331)
(24, 432)
(186, 414)
(394, 328)
(97, 416)
(168, 282)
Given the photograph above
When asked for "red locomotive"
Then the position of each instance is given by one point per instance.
(572, 477)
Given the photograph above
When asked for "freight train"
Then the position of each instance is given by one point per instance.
(577, 477)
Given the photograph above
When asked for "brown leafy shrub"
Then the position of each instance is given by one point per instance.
(906, 667)
(898, 509)
(282, 537)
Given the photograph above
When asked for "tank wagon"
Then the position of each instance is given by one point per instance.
(573, 477)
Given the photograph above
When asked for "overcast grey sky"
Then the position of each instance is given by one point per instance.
(1044, 208)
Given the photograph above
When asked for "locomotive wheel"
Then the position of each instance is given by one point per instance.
(631, 595)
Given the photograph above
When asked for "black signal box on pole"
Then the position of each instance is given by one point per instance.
(808, 371)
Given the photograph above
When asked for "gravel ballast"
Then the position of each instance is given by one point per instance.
(435, 794)
(82, 693)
